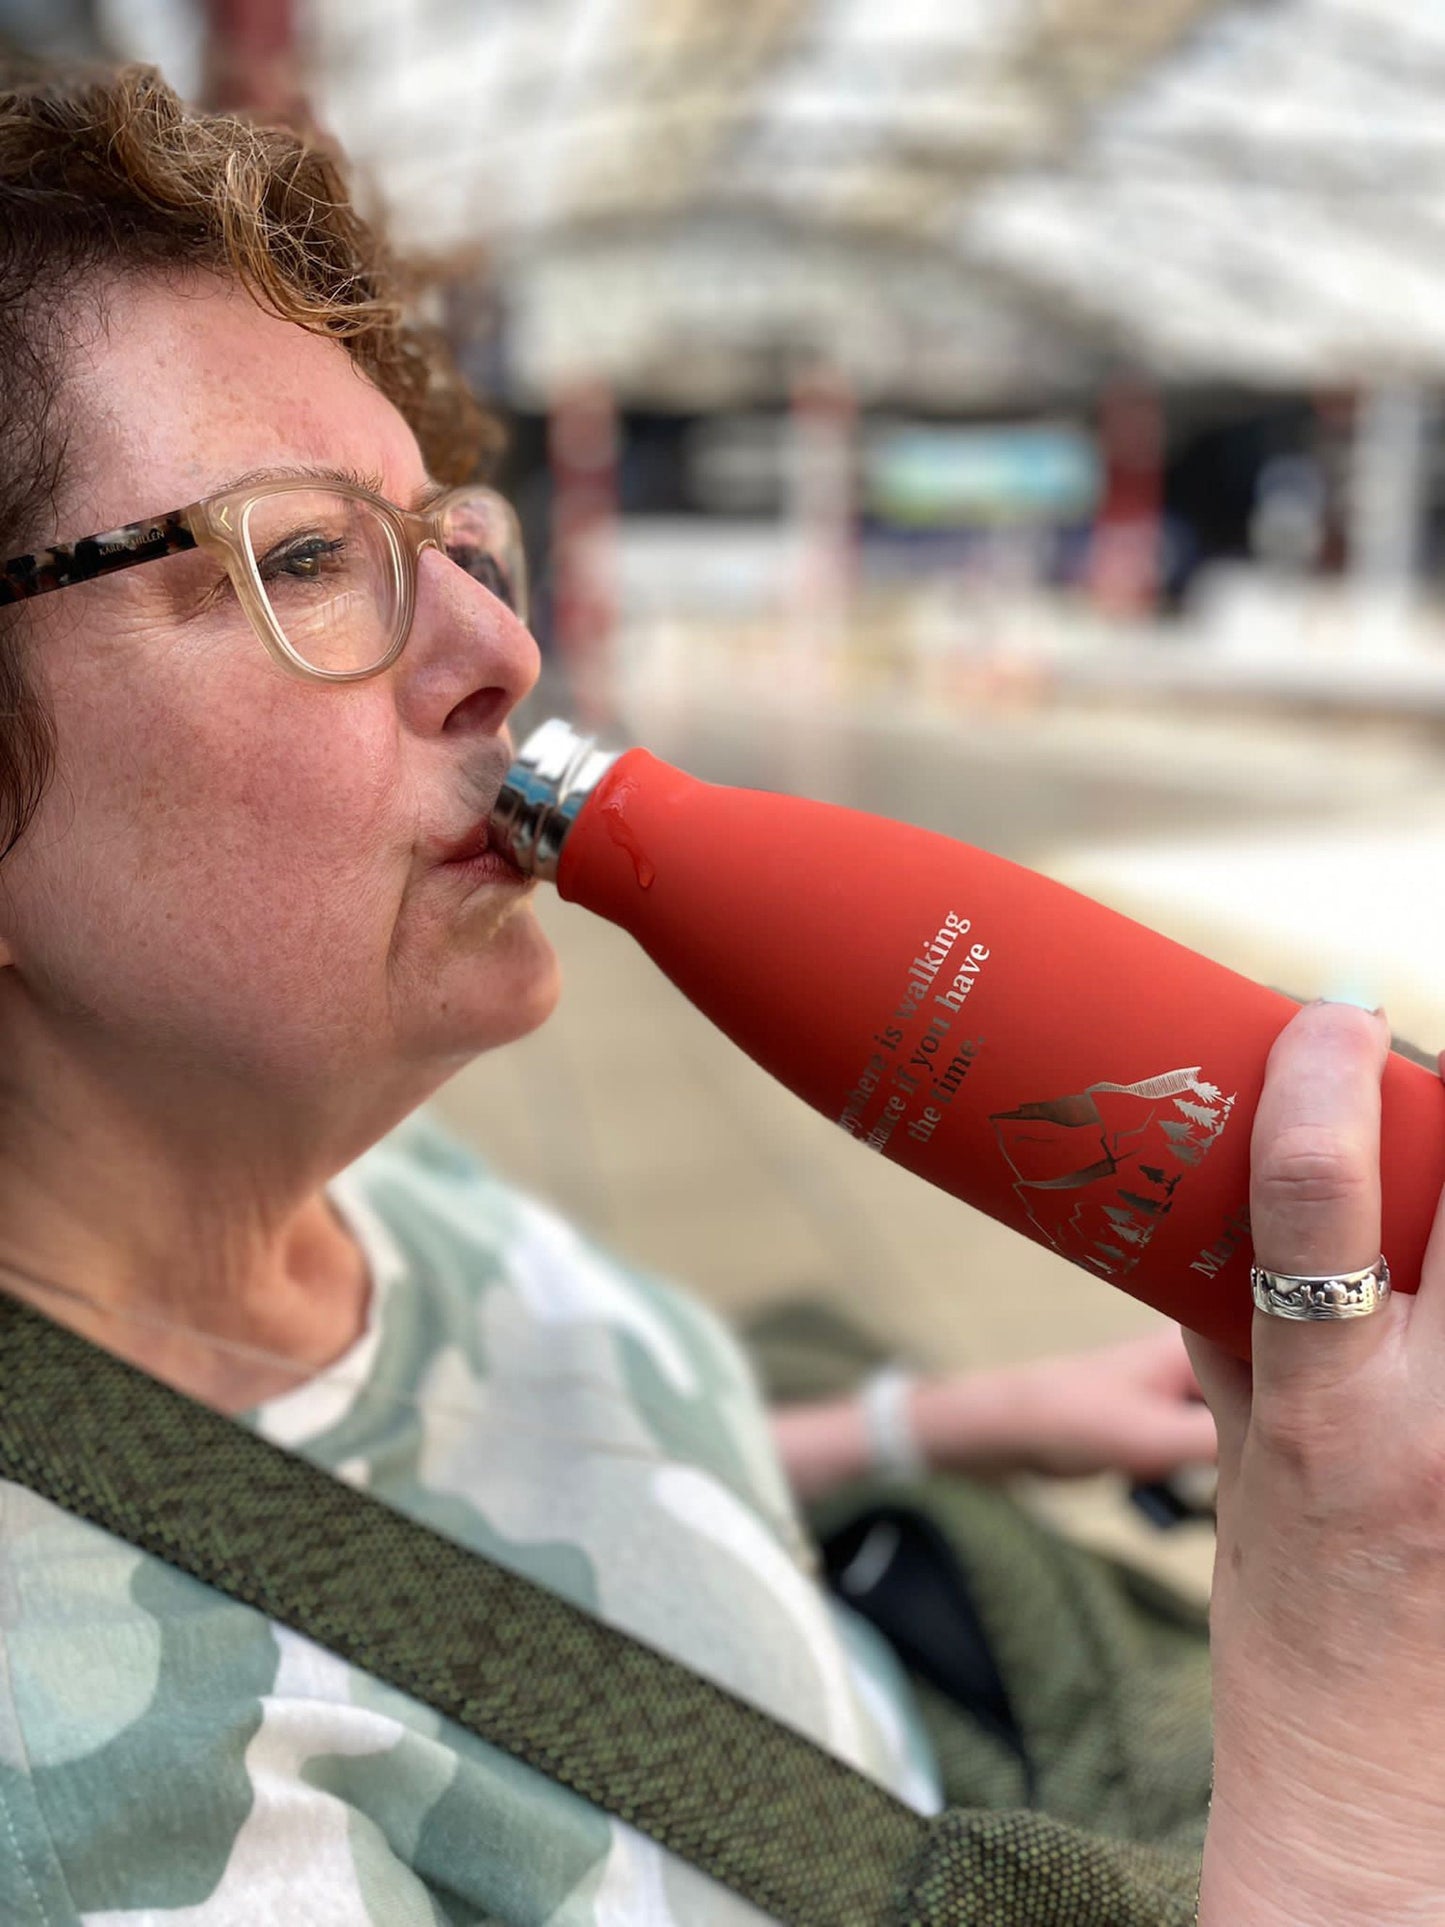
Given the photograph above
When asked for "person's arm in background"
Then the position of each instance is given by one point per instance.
(1328, 1615)
(1133, 1408)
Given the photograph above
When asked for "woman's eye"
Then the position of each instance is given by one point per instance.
(303, 560)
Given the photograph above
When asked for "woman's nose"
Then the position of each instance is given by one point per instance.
(469, 659)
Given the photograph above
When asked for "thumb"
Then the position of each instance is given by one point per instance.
(1228, 1387)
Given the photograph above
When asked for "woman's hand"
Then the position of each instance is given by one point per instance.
(1328, 1615)
(1133, 1408)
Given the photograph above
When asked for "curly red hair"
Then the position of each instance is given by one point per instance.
(107, 172)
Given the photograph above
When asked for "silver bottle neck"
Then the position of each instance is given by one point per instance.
(542, 794)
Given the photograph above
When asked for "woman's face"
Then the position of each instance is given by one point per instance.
(232, 868)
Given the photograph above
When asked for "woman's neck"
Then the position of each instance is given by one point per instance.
(292, 1326)
(193, 1238)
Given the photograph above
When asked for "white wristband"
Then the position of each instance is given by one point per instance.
(883, 1400)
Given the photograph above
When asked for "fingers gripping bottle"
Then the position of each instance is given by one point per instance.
(1053, 1063)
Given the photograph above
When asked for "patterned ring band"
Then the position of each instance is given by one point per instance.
(1343, 1294)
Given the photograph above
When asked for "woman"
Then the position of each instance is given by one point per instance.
(247, 926)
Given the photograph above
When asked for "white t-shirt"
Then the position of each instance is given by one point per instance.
(170, 1756)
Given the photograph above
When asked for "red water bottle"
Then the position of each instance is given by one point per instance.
(1058, 1065)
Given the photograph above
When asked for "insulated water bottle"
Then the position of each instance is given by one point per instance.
(1051, 1062)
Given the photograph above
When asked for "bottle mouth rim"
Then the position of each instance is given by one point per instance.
(553, 774)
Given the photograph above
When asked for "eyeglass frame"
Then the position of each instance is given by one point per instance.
(216, 524)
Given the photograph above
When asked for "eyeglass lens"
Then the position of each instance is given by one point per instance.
(331, 570)
(479, 538)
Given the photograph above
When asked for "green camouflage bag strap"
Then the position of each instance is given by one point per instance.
(803, 1836)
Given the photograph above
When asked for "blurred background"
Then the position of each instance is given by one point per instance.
(1018, 417)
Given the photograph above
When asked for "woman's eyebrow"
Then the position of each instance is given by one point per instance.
(310, 472)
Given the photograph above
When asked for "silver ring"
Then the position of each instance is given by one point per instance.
(1340, 1294)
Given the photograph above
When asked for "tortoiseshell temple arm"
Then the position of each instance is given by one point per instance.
(93, 555)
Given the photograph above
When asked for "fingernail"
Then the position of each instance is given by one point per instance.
(1362, 1002)
(1348, 993)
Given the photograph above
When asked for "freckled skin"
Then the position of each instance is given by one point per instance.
(228, 962)
(229, 857)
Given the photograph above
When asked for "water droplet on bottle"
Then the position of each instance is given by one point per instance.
(620, 830)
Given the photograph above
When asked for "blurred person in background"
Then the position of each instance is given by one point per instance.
(249, 735)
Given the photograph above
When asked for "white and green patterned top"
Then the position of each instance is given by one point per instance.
(170, 1756)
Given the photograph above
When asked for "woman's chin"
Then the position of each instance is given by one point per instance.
(509, 990)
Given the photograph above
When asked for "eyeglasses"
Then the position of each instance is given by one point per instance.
(326, 571)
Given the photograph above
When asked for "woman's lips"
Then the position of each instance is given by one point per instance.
(486, 866)
(475, 857)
